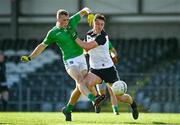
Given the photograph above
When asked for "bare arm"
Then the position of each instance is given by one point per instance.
(38, 50)
(114, 55)
(86, 45)
(113, 52)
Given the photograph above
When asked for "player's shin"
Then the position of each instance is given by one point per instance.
(74, 96)
(125, 98)
(93, 90)
(73, 99)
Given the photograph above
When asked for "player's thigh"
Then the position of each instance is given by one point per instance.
(84, 72)
(75, 73)
(81, 61)
(92, 79)
(77, 67)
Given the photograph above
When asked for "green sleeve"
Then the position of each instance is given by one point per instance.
(74, 20)
(110, 45)
(49, 38)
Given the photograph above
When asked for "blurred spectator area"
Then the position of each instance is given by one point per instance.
(161, 90)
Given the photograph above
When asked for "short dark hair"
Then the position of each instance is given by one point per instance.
(61, 12)
(100, 17)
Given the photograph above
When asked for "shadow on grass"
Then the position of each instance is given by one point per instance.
(144, 123)
(133, 123)
(159, 123)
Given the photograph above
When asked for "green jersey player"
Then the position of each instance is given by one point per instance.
(64, 35)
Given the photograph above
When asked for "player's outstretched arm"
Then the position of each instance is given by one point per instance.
(38, 50)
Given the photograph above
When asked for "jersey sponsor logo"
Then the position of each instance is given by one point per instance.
(89, 38)
(71, 62)
(68, 63)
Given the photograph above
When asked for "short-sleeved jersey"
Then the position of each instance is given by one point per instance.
(99, 56)
(63, 37)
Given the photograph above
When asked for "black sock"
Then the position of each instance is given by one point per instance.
(4, 103)
(133, 105)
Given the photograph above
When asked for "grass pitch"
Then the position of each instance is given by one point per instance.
(55, 118)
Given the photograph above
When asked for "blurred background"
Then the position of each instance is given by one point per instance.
(145, 33)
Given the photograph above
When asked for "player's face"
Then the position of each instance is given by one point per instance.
(63, 21)
(98, 25)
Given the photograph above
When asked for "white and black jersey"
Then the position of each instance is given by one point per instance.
(99, 56)
(100, 61)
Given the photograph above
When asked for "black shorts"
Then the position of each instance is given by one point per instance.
(109, 75)
(3, 88)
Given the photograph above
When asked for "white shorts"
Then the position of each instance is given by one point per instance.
(78, 61)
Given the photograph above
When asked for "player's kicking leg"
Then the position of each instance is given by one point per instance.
(135, 112)
(128, 99)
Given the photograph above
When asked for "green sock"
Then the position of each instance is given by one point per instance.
(91, 97)
(115, 108)
(69, 108)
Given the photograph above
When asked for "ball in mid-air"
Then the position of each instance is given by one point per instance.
(119, 87)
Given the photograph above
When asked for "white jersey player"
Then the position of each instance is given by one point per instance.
(101, 64)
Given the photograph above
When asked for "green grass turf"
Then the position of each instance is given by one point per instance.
(55, 118)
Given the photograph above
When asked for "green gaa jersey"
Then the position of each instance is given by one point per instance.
(63, 37)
